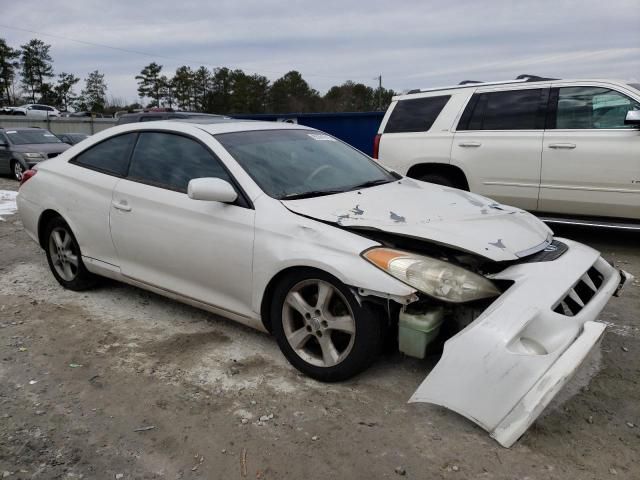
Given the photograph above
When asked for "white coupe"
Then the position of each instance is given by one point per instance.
(288, 230)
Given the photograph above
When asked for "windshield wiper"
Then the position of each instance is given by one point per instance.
(310, 194)
(370, 183)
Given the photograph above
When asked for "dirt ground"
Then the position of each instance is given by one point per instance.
(121, 383)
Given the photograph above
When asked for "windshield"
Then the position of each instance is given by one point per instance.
(297, 163)
(24, 137)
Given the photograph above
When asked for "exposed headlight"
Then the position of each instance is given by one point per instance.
(33, 155)
(436, 278)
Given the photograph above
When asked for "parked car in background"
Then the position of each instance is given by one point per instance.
(288, 230)
(72, 138)
(151, 116)
(22, 148)
(88, 115)
(36, 111)
(568, 150)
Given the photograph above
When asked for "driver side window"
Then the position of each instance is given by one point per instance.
(170, 161)
(592, 108)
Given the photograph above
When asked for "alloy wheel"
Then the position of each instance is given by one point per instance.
(64, 254)
(318, 323)
(18, 170)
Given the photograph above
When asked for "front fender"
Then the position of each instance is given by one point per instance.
(285, 239)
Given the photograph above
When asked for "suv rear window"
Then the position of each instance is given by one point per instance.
(415, 115)
(511, 110)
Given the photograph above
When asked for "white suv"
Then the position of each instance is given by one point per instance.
(560, 148)
(36, 111)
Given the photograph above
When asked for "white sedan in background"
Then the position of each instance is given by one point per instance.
(288, 230)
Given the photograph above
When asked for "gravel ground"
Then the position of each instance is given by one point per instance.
(121, 383)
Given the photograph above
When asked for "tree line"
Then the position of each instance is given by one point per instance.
(33, 66)
(27, 75)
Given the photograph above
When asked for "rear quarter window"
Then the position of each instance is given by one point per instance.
(110, 156)
(415, 115)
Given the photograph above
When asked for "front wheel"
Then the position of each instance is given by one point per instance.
(322, 329)
(17, 170)
(64, 257)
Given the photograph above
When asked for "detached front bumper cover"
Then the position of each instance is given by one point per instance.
(503, 369)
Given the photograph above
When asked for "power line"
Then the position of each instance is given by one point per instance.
(153, 55)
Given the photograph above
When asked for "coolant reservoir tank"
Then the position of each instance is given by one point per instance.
(417, 328)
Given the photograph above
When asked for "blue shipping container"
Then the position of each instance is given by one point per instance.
(356, 128)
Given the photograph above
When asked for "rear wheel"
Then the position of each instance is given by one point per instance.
(439, 179)
(322, 329)
(64, 257)
(17, 170)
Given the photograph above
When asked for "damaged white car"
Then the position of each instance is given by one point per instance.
(288, 230)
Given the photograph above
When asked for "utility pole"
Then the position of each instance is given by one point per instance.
(380, 92)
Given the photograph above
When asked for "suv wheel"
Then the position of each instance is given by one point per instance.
(64, 257)
(322, 329)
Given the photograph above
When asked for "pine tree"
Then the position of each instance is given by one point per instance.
(9, 64)
(36, 67)
(150, 83)
(94, 94)
(64, 89)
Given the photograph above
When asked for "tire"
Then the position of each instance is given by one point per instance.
(64, 257)
(338, 339)
(17, 170)
(438, 179)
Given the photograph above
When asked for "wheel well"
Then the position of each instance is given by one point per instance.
(265, 306)
(45, 218)
(449, 171)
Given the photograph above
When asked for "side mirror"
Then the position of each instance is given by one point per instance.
(632, 118)
(211, 190)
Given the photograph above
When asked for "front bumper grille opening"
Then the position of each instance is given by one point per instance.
(596, 277)
(580, 294)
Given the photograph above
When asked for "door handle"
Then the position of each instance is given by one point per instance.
(121, 206)
(470, 144)
(566, 146)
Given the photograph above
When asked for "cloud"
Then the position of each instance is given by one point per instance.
(411, 43)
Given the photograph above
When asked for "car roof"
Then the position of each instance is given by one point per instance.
(229, 126)
(160, 114)
(19, 129)
(505, 83)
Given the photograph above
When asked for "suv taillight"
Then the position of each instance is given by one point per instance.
(27, 175)
(376, 145)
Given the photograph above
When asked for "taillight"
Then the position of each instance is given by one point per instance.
(27, 175)
(376, 145)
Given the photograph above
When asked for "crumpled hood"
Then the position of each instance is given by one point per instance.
(442, 215)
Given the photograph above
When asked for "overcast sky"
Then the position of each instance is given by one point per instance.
(411, 43)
